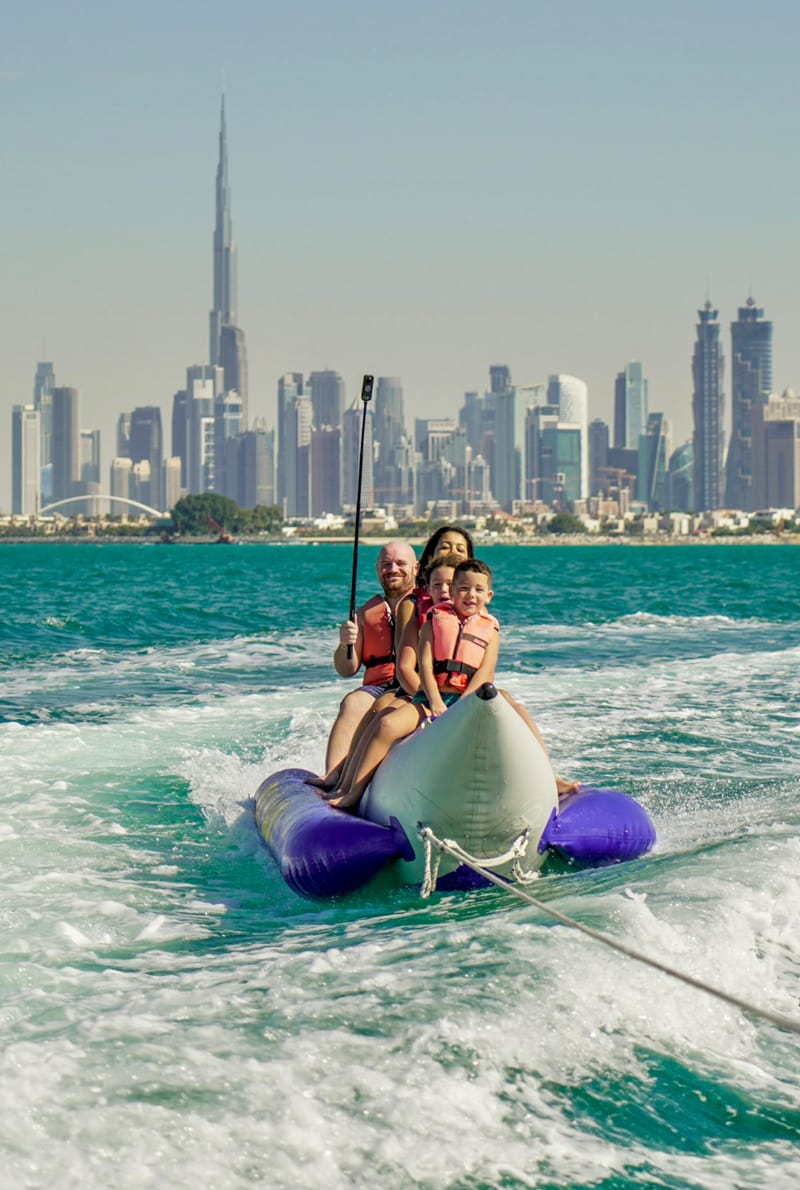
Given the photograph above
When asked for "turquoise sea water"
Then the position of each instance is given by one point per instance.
(172, 1015)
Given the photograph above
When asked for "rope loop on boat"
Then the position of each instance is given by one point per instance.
(481, 867)
(431, 868)
(513, 855)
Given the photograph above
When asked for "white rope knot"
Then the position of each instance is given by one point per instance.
(431, 869)
(515, 853)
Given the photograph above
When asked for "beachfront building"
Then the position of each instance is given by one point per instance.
(751, 385)
(708, 408)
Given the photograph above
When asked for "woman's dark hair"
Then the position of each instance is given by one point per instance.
(429, 550)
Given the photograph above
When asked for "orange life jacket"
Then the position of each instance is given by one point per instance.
(423, 604)
(459, 645)
(377, 648)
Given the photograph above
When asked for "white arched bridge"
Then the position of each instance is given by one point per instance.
(95, 499)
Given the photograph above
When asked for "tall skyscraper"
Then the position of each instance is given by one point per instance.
(507, 457)
(351, 444)
(499, 378)
(680, 479)
(571, 397)
(121, 469)
(25, 460)
(327, 398)
(598, 456)
(123, 436)
(326, 470)
(66, 442)
(180, 433)
(296, 461)
(43, 385)
(257, 476)
(553, 452)
(708, 408)
(655, 447)
(290, 386)
(233, 361)
(630, 406)
(776, 452)
(147, 445)
(201, 390)
(228, 426)
(392, 485)
(751, 385)
(226, 340)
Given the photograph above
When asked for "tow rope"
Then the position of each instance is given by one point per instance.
(430, 840)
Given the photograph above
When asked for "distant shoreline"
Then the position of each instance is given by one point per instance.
(532, 542)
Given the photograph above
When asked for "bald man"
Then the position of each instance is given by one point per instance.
(371, 635)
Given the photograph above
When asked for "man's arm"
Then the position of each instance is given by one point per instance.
(407, 674)
(350, 633)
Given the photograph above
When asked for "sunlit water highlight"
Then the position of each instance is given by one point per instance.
(172, 1015)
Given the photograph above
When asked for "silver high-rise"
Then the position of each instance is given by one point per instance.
(708, 408)
(751, 385)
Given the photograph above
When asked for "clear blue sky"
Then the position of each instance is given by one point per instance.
(418, 189)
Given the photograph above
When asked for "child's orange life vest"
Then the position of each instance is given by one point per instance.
(377, 642)
(459, 645)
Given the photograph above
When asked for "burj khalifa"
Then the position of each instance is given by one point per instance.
(226, 342)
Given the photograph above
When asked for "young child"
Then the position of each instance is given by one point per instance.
(458, 647)
(436, 584)
(459, 641)
(434, 587)
(447, 541)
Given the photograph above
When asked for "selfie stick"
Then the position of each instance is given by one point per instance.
(366, 397)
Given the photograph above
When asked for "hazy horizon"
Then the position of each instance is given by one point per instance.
(420, 192)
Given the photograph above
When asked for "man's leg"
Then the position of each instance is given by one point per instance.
(393, 724)
(352, 709)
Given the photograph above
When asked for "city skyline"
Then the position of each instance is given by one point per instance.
(425, 229)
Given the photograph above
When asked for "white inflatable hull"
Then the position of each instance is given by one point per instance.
(476, 775)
